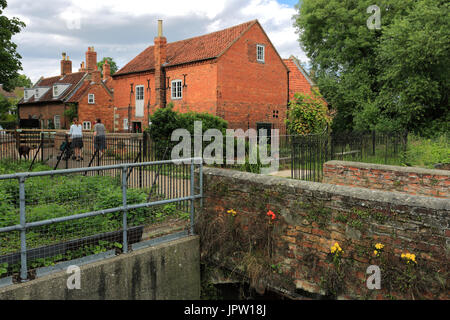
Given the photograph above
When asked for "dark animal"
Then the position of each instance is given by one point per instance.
(24, 151)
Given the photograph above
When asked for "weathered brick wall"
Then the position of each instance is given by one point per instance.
(101, 108)
(311, 217)
(121, 87)
(249, 91)
(44, 112)
(411, 180)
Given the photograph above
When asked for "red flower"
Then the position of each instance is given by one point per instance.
(270, 213)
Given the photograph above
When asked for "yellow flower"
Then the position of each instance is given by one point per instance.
(379, 246)
(375, 252)
(232, 212)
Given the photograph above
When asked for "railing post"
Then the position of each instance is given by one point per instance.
(201, 183)
(23, 241)
(124, 204)
(42, 146)
(66, 137)
(192, 198)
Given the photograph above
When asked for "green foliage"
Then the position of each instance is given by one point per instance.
(9, 58)
(5, 107)
(395, 78)
(72, 112)
(22, 81)
(423, 152)
(166, 120)
(112, 65)
(307, 114)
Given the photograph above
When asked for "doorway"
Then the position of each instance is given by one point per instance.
(136, 127)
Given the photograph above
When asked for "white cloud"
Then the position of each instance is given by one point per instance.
(122, 29)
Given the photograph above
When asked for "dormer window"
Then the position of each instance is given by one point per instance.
(25, 94)
(260, 54)
(36, 93)
(55, 91)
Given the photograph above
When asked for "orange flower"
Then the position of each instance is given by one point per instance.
(271, 214)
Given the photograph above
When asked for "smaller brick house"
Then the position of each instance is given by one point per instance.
(85, 90)
(299, 80)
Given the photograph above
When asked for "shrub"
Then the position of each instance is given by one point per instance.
(307, 114)
(424, 152)
(166, 120)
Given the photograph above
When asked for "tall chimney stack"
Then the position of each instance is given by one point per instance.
(91, 59)
(106, 70)
(160, 59)
(66, 65)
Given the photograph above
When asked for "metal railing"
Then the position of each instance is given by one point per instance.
(309, 153)
(50, 216)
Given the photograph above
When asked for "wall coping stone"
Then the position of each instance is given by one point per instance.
(364, 194)
(362, 165)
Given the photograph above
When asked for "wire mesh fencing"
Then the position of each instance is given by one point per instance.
(54, 216)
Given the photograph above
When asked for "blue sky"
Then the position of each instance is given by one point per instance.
(122, 29)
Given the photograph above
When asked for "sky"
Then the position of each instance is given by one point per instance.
(122, 29)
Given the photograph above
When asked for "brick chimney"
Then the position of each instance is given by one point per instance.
(82, 67)
(66, 65)
(96, 76)
(160, 74)
(91, 59)
(106, 70)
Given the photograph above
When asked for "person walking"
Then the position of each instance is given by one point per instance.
(99, 137)
(76, 134)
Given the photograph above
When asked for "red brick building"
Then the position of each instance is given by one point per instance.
(235, 73)
(299, 80)
(86, 90)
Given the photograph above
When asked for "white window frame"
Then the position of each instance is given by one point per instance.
(176, 89)
(262, 57)
(139, 96)
(87, 125)
(91, 98)
(125, 123)
(57, 124)
(55, 91)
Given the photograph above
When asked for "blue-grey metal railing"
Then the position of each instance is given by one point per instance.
(126, 207)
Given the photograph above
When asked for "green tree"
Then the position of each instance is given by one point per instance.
(392, 78)
(71, 112)
(22, 81)
(5, 107)
(307, 114)
(111, 62)
(9, 58)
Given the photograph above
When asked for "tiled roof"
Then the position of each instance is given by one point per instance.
(190, 50)
(73, 79)
(79, 92)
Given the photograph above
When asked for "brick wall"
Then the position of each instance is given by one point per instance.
(199, 93)
(311, 217)
(44, 111)
(249, 91)
(411, 180)
(121, 87)
(297, 81)
(101, 108)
